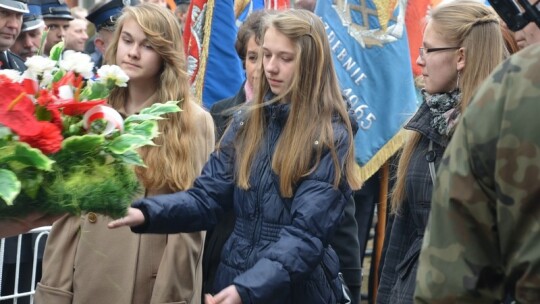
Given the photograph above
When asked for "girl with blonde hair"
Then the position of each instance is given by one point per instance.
(87, 263)
(286, 167)
(462, 44)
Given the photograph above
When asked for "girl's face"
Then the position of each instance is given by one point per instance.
(279, 56)
(135, 55)
(439, 67)
(252, 52)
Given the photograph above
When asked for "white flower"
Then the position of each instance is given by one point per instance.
(77, 62)
(65, 92)
(113, 74)
(38, 65)
(46, 79)
(14, 75)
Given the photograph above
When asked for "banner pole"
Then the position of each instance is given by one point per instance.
(381, 225)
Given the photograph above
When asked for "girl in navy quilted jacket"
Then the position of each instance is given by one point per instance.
(286, 168)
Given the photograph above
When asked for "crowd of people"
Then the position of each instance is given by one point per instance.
(254, 200)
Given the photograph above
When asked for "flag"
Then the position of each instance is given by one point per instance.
(414, 20)
(243, 8)
(213, 65)
(369, 46)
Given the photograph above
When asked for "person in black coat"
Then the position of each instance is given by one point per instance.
(285, 166)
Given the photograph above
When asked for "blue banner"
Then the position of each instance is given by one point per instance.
(250, 7)
(371, 56)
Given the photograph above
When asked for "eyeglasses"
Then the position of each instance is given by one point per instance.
(424, 51)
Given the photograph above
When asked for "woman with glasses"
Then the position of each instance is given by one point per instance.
(462, 44)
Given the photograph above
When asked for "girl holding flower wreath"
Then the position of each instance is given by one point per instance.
(85, 262)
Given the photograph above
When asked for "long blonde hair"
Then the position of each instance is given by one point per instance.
(314, 98)
(475, 27)
(169, 164)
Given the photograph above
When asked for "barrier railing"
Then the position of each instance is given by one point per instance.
(39, 237)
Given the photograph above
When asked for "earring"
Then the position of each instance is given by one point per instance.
(457, 81)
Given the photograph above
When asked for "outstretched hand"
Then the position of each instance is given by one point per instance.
(228, 295)
(134, 217)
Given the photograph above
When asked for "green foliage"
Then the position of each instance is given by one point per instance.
(9, 186)
(154, 112)
(95, 91)
(97, 187)
(19, 153)
(90, 143)
(56, 53)
(92, 172)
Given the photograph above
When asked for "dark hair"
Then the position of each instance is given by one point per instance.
(250, 28)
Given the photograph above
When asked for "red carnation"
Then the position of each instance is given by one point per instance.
(49, 141)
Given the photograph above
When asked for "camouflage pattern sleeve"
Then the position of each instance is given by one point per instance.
(483, 237)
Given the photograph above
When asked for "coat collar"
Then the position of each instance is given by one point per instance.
(420, 122)
(276, 111)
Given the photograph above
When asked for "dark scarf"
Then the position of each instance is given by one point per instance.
(444, 111)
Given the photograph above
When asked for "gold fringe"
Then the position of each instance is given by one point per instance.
(389, 149)
(239, 7)
(201, 73)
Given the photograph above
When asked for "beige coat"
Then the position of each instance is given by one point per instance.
(87, 263)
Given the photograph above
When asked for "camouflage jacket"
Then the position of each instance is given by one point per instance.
(483, 238)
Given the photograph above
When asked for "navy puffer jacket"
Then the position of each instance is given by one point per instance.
(276, 251)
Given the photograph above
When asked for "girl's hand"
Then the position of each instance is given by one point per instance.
(134, 217)
(228, 295)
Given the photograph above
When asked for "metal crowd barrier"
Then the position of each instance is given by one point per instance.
(39, 233)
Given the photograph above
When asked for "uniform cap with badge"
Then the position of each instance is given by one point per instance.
(104, 15)
(32, 20)
(15, 5)
(55, 9)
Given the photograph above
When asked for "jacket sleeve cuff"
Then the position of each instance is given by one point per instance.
(143, 227)
(46, 294)
(244, 294)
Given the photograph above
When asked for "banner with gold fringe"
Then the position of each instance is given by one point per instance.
(369, 44)
(209, 36)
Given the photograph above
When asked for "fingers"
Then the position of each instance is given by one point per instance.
(228, 295)
(117, 223)
(134, 217)
(208, 299)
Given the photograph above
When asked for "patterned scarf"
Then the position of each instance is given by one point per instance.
(443, 109)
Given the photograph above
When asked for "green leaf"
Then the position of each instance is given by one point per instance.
(56, 51)
(90, 142)
(127, 142)
(131, 158)
(141, 117)
(149, 129)
(95, 91)
(162, 108)
(10, 186)
(26, 155)
(42, 42)
(31, 185)
(42, 113)
(58, 75)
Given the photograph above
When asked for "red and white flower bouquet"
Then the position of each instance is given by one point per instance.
(62, 149)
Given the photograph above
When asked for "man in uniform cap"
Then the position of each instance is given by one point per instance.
(11, 12)
(29, 40)
(104, 16)
(56, 15)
